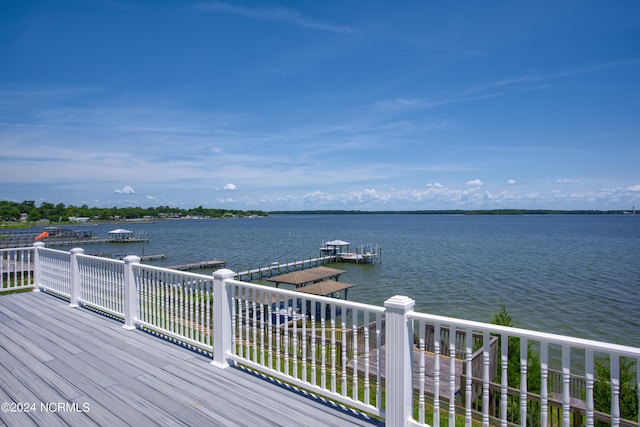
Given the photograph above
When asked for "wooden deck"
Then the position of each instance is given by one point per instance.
(74, 367)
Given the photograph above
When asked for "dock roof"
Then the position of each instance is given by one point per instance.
(312, 275)
(324, 288)
(337, 243)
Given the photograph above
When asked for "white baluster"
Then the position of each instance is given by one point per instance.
(590, 377)
(367, 346)
(421, 372)
(524, 346)
(314, 307)
(486, 356)
(452, 375)
(615, 390)
(504, 383)
(436, 374)
(354, 340)
(333, 347)
(544, 378)
(566, 385)
(469, 375)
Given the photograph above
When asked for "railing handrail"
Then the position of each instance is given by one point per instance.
(622, 350)
(55, 251)
(22, 248)
(178, 272)
(96, 257)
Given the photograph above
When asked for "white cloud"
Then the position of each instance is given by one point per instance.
(511, 181)
(567, 181)
(230, 187)
(125, 190)
(475, 182)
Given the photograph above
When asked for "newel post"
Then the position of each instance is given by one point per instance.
(399, 360)
(36, 265)
(130, 292)
(75, 277)
(222, 322)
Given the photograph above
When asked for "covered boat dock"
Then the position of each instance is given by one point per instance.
(322, 281)
(306, 277)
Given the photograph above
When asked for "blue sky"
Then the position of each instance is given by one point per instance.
(287, 105)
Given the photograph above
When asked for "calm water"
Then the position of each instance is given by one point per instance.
(576, 275)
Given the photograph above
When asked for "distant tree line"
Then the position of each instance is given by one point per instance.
(13, 211)
(459, 212)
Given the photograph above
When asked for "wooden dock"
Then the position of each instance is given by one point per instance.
(321, 281)
(198, 265)
(152, 257)
(90, 241)
(278, 268)
(121, 257)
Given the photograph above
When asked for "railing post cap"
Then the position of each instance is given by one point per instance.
(77, 251)
(400, 302)
(224, 273)
(38, 245)
(129, 259)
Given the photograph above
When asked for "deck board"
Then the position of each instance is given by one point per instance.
(52, 353)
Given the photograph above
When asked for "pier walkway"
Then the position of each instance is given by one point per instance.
(214, 263)
(75, 367)
(278, 268)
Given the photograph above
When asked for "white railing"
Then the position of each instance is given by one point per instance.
(406, 367)
(101, 283)
(478, 392)
(16, 269)
(332, 347)
(175, 303)
(53, 270)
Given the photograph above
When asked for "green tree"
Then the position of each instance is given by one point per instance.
(46, 211)
(534, 369)
(34, 215)
(628, 389)
(9, 211)
(59, 213)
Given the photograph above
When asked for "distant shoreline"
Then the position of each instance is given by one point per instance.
(456, 212)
